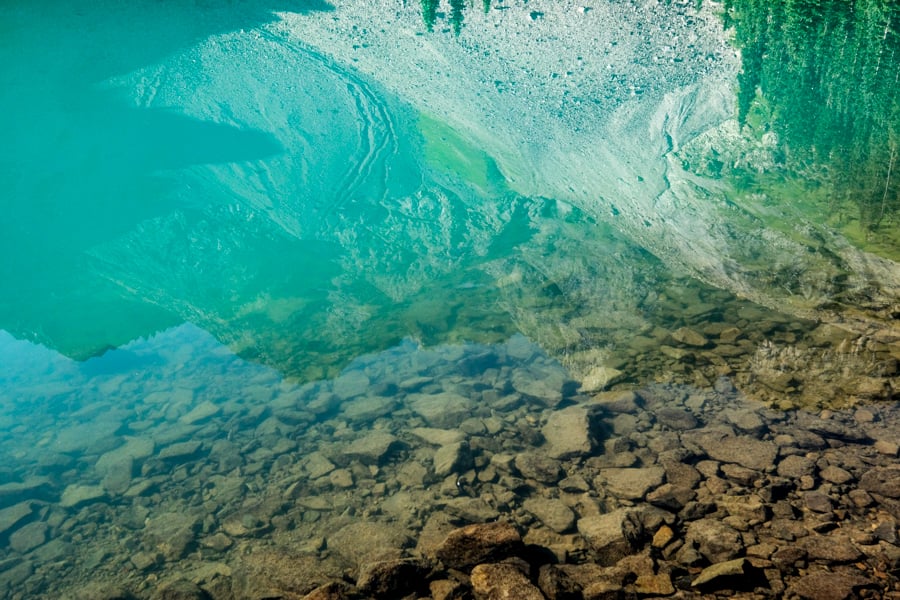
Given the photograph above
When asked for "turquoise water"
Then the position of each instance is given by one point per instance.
(237, 253)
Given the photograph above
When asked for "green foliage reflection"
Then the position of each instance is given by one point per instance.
(829, 71)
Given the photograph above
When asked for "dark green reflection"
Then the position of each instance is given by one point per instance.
(825, 75)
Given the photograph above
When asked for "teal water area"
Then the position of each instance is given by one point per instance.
(212, 236)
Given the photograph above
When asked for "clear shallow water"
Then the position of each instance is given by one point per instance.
(203, 249)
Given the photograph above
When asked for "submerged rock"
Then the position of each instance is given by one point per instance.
(479, 543)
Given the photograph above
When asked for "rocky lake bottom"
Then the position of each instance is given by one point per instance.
(171, 468)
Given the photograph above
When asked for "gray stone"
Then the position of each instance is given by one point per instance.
(365, 542)
(599, 378)
(836, 475)
(471, 510)
(317, 465)
(372, 448)
(689, 337)
(202, 412)
(715, 540)
(366, 409)
(552, 513)
(78, 494)
(350, 385)
(438, 437)
(445, 410)
(28, 537)
(118, 475)
(13, 515)
(745, 451)
(502, 581)
(173, 534)
(818, 502)
(675, 418)
(341, 478)
(831, 549)
(632, 484)
(179, 451)
(796, 467)
(745, 419)
(539, 467)
(569, 432)
(546, 386)
(671, 497)
(884, 481)
(612, 536)
(480, 543)
(626, 402)
(452, 458)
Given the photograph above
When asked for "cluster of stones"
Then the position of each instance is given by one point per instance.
(357, 487)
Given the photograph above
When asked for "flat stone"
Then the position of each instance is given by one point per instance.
(471, 510)
(179, 451)
(600, 378)
(675, 418)
(546, 386)
(365, 542)
(728, 569)
(479, 543)
(539, 467)
(884, 481)
(828, 586)
(28, 537)
(11, 516)
(632, 483)
(887, 448)
(366, 409)
(341, 479)
(445, 410)
(569, 432)
(372, 448)
(831, 549)
(78, 494)
(452, 458)
(612, 535)
(689, 337)
(317, 465)
(753, 454)
(818, 502)
(438, 437)
(671, 497)
(795, 467)
(714, 539)
(836, 475)
(552, 513)
(173, 534)
(350, 385)
(203, 411)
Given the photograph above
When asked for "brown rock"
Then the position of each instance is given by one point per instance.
(831, 549)
(392, 578)
(714, 540)
(884, 481)
(613, 535)
(829, 586)
(479, 543)
(502, 581)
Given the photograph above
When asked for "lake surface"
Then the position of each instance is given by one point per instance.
(227, 255)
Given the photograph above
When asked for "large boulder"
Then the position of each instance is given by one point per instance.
(479, 543)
